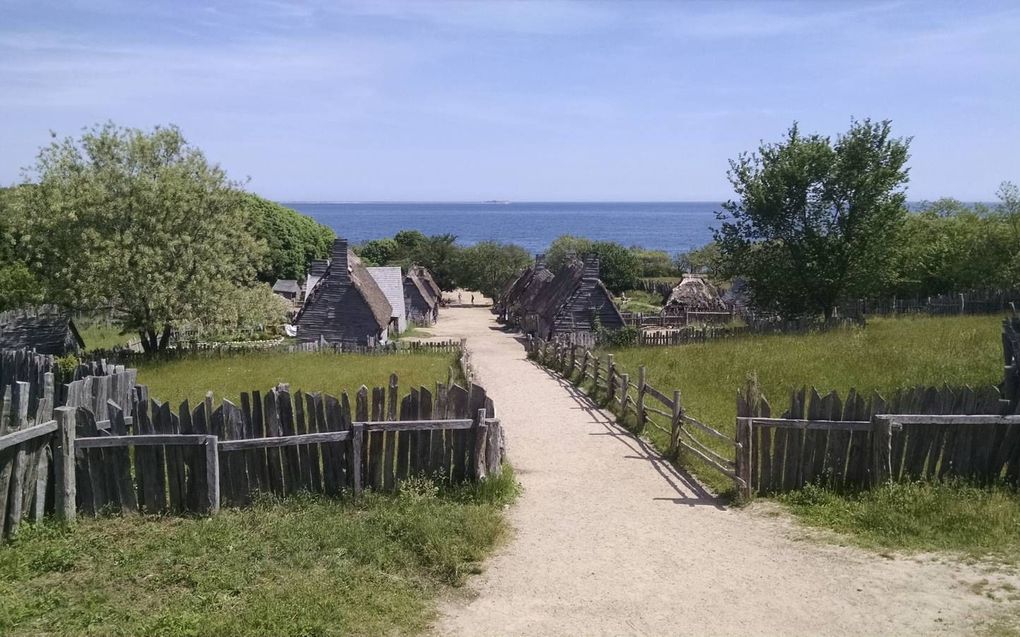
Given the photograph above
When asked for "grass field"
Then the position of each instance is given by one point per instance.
(102, 336)
(641, 301)
(981, 522)
(885, 355)
(230, 375)
(307, 566)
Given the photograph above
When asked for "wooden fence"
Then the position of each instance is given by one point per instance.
(279, 442)
(706, 333)
(649, 406)
(974, 302)
(917, 434)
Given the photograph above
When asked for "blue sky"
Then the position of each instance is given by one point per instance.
(524, 101)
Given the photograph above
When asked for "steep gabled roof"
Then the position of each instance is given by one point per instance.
(530, 299)
(46, 329)
(369, 289)
(426, 277)
(390, 281)
(422, 288)
(287, 286)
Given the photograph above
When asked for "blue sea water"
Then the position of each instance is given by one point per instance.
(673, 227)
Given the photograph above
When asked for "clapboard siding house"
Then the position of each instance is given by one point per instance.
(345, 305)
(420, 299)
(390, 281)
(45, 329)
(573, 301)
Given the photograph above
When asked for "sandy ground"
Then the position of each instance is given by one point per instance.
(611, 540)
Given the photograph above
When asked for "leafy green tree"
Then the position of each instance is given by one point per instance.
(440, 254)
(408, 241)
(18, 287)
(293, 239)
(378, 251)
(654, 263)
(489, 266)
(140, 220)
(619, 268)
(703, 260)
(815, 220)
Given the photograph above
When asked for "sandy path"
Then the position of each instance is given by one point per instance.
(610, 540)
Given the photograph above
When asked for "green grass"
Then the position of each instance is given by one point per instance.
(306, 566)
(102, 336)
(885, 355)
(229, 375)
(641, 301)
(978, 522)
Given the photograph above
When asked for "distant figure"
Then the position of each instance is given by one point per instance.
(472, 299)
(460, 301)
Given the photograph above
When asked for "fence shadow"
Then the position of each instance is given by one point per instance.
(689, 491)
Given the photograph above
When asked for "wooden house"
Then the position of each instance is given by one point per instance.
(288, 289)
(346, 304)
(573, 300)
(507, 305)
(420, 299)
(45, 329)
(426, 277)
(390, 281)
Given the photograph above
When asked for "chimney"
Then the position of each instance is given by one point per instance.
(339, 265)
(591, 266)
(539, 262)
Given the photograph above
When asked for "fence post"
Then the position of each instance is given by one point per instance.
(573, 360)
(641, 399)
(610, 377)
(595, 375)
(479, 455)
(212, 475)
(65, 489)
(357, 440)
(584, 367)
(677, 422)
(881, 450)
(743, 457)
(625, 383)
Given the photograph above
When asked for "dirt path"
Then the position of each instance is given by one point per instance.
(611, 540)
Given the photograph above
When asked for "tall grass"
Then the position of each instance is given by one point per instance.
(885, 355)
(230, 375)
(304, 566)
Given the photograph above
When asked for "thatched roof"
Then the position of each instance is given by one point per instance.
(694, 294)
(45, 329)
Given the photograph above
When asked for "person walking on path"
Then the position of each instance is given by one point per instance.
(472, 299)
(460, 301)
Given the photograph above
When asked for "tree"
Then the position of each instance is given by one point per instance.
(489, 266)
(18, 287)
(140, 220)
(815, 220)
(293, 239)
(654, 263)
(703, 260)
(438, 253)
(378, 251)
(619, 268)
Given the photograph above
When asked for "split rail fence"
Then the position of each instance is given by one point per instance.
(649, 406)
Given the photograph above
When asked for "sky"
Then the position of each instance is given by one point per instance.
(541, 101)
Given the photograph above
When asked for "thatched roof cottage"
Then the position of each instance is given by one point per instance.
(694, 294)
(573, 300)
(346, 305)
(420, 298)
(46, 329)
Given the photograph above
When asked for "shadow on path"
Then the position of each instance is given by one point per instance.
(689, 491)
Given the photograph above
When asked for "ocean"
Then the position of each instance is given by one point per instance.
(672, 226)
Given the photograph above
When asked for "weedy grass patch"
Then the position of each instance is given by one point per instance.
(885, 355)
(974, 521)
(301, 566)
(229, 375)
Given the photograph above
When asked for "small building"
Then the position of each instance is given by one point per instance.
(426, 277)
(695, 294)
(346, 304)
(390, 281)
(288, 289)
(572, 301)
(507, 305)
(45, 329)
(420, 300)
